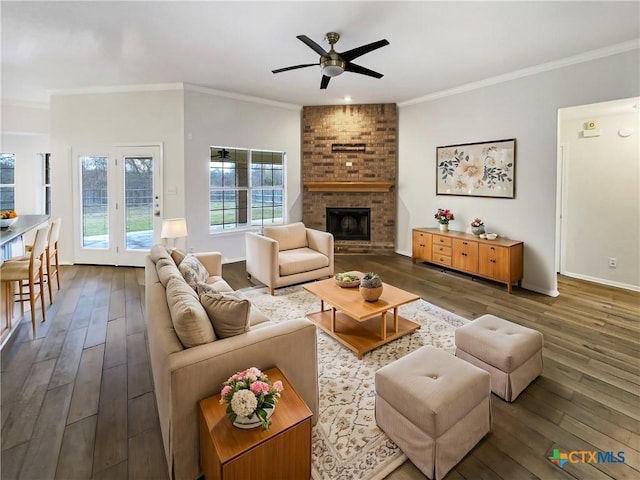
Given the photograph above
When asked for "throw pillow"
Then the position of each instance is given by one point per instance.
(178, 255)
(190, 320)
(229, 314)
(166, 269)
(193, 271)
(202, 288)
(157, 252)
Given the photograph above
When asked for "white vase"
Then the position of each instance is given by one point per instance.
(253, 421)
(444, 227)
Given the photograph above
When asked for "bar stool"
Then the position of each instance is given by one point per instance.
(28, 273)
(51, 253)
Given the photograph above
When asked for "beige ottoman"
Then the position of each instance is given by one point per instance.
(511, 353)
(434, 406)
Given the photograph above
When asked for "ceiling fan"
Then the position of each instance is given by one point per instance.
(333, 63)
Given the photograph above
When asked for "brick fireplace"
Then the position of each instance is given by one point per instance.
(349, 161)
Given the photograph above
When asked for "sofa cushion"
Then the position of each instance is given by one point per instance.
(289, 236)
(178, 255)
(190, 320)
(301, 260)
(219, 284)
(229, 314)
(157, 252)
(213, 284)
(193, 271)
(167, 269)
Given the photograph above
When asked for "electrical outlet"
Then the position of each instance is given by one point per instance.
(613, 263)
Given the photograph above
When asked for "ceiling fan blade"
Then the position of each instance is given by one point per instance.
(352, 67)
(359, 51)
(325, 82)
(295, 67)
(313, 45)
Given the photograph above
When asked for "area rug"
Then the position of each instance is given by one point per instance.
(346, 443)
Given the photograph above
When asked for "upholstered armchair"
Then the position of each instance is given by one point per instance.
(288, 254)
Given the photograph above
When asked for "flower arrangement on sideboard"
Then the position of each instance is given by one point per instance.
(444, 216)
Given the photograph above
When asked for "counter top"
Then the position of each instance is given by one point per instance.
(24, 224)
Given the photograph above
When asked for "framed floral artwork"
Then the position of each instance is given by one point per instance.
(486, 169)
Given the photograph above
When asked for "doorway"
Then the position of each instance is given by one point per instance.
(117, 207)
(597, 193)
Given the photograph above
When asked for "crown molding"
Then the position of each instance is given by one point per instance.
(526, 72)
(8, 102)
(237, 96)
(156, 87)
(153, 87)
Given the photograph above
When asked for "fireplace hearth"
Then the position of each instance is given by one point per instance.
(349, 223)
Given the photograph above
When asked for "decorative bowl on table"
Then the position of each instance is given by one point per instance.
(491, 236)
(7, 222)
(347, 279)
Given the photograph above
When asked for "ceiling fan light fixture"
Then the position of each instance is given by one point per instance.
(332, 67)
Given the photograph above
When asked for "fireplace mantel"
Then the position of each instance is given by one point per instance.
(349, 186)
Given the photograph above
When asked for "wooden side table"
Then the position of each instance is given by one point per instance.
(281, 451)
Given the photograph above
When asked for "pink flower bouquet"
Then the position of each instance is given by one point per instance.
(444, 216)
(250, 392)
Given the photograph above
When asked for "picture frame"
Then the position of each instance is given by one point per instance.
(484, 169)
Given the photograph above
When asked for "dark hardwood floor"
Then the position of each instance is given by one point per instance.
(77, 402)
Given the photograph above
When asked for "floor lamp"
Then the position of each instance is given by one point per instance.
(174, 228)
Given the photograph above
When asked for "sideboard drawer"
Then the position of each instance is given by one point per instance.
(441, 240)
(440, 250)
(442, 259)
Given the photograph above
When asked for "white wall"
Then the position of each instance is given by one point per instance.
(212, 119)
(25, 133)
(147, 117)
(525, 109)
(602, 209)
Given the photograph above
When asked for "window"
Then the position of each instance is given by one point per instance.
(7, 181)
(246, 188)
(46, 175)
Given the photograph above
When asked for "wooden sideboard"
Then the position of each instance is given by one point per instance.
(500, 260)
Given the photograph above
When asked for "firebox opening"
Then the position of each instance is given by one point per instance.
(349, 223)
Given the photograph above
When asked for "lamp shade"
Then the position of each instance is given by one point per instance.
(174, 228)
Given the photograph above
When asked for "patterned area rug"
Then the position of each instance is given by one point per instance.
(347, 444)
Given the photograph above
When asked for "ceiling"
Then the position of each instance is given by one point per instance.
(233, 46)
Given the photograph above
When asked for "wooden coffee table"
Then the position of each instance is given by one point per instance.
(281, 451)
(350, 318)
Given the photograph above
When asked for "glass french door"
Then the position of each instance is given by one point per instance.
(118, 204)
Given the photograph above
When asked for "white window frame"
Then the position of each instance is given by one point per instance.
(11, 185)
(46, 159)
(250, 188)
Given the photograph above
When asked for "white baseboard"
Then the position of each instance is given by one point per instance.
(603, 281)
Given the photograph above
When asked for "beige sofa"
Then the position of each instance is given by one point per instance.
(288, 254)
(184, 376)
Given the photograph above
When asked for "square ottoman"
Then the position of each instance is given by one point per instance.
(434, 406)
(511, 353)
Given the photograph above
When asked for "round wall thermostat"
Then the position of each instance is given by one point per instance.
(625, 132)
